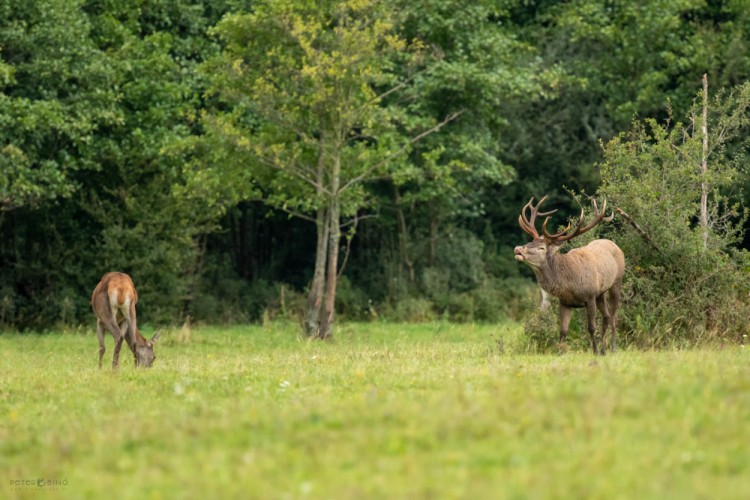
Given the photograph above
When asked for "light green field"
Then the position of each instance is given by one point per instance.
(384, 411)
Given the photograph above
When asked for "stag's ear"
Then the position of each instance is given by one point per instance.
(154, 339)
(554, 246)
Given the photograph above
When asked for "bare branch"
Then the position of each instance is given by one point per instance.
(642, 232)
(294, 213)
(389, 92)
(704, 165)
(296, 172)
(353, 223)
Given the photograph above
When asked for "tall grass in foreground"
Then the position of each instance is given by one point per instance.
(385, 411)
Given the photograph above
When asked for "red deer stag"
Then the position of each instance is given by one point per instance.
(113, 301)
(578, 278)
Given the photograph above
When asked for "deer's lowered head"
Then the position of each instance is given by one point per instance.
(580, 277)
(144, 349)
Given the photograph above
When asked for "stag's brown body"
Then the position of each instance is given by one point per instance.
(590, 276)
(113, 302)
(583, 273)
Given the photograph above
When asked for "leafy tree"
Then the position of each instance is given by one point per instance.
(451, 200)
(312, 88)
(620, 59)
(638, 53)
(117, 85)
(483, 69)
(56, 92)
(145, 227)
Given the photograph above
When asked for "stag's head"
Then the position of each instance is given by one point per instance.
(536, 252)
(144, 351)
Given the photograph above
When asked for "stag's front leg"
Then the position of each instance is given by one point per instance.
(565, 313)
(591, 316)
(614, 303)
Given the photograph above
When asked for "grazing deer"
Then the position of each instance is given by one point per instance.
(113, 301)
(578, 278)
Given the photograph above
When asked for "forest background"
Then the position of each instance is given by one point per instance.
(249, 160)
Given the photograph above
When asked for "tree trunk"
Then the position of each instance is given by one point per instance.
(403, 237)
(315, 296)
(433, 236)
(334, 239)
(704, 166)
(243, 257)
(200, 243)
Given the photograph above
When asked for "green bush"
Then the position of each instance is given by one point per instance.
(204, 308)
(686, 281)
(7, 306)
(351, 303)
(541, 329)
(410, 309)
(223, 297)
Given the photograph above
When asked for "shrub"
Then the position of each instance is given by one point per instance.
(685, 281)
(351, 303)
(411, 309)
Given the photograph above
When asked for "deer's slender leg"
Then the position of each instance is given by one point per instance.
(118, 344)
(129, 322)
(601, 304)
(116, 357)
(124, 333)
(591, 316)
(100, 336)
(565, 313)
(132, 329)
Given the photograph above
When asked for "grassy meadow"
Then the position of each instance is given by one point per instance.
(384, 411)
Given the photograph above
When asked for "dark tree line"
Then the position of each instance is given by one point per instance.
(205, 147)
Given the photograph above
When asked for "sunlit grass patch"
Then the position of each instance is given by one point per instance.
(384, 410)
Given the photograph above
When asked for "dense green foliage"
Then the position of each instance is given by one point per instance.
(433, 410)
(171, 139)
(685, 282)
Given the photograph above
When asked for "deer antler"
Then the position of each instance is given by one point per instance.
(564, 236)
(527, 224)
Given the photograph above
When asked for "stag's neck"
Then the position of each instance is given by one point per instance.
(554, 274)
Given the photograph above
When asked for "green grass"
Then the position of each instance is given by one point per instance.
(384, 411)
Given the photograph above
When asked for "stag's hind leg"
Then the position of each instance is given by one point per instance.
(614, 304)
(601, 304)
(591, 316)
